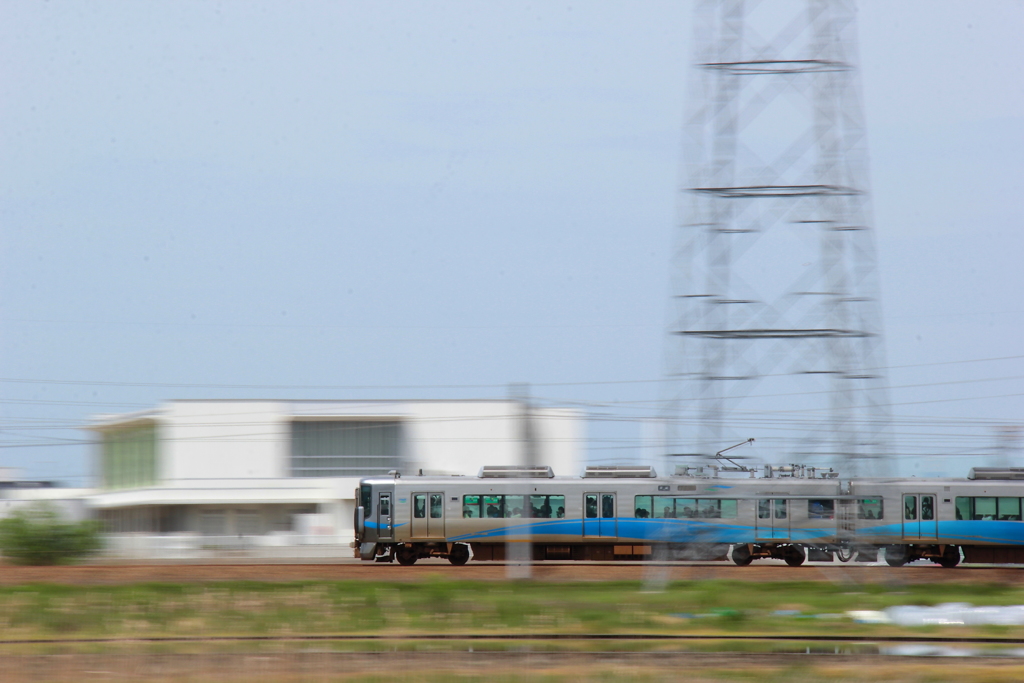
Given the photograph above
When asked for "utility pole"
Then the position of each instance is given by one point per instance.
(519, 549)
(777, 328)
(1007, 446)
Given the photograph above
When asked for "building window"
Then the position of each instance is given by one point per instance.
(129, 457)
(247, 522)
(345, 448)
(213, 523)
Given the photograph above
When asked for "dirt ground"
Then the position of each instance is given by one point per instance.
(292, 667)
(101, 574)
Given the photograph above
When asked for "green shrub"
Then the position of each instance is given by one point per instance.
(37, 535)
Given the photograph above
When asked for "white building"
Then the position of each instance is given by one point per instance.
(17, 494)
(266, 470)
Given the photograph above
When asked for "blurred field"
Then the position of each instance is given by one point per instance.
(127, 631)
(444, 606)
(769, 571)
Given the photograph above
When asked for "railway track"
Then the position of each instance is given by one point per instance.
(520, 638)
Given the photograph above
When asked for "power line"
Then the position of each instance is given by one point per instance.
(187, 385)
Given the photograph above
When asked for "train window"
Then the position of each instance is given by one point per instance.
(365, 496)
(496, 507)
(709, 508)
(909, 507)
(989, 508)
(591, 505)
(687, 507)
(869, 508)
(384, 507)
(419, 505)
(514, 506)
(471, 507)
(664, 507)
(607, 505)
(821, 509)
(984, 508)
(765, 508)
(493, 505)
(548, 507)
(927, 508)
(436, 505)
(1009, 509)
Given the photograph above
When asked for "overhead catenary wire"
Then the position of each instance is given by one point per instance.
(939, 436)
(497, 386)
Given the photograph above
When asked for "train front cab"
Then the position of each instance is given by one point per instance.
(382, 535)
(375, 519)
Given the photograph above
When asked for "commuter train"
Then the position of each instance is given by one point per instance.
(791, 513)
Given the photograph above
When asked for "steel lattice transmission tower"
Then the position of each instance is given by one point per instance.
(777, 321)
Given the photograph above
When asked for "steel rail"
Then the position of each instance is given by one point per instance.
(521, 637)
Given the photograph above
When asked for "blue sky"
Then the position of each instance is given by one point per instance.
(433, 200)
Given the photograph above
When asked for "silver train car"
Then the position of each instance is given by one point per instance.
(791, 513)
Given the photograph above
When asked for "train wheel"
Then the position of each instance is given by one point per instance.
(459, 554)
(741, 555)
(406, 556)
(794, 556)
(845, 553)
(950, 557)
(895, 555)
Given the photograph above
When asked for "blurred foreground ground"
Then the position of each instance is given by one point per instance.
(352, 621)
(347, 570)
(471, 668)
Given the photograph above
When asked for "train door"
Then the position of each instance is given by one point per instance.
(846, 520)
(385, 517)
(599, 514)
(772, 519)
(428, 515)
(919, 516)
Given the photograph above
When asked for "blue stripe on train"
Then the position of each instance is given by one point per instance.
(991, 532)
(630, 529)
(958, 532)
